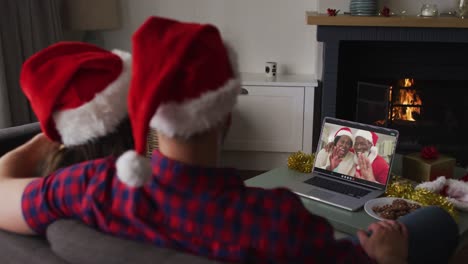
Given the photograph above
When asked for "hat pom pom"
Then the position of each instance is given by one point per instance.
(133, 169)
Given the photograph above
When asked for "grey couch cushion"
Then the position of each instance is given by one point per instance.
(12, 137)
(16, 249)
(79, 244)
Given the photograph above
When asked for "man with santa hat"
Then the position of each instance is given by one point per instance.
(369, 164)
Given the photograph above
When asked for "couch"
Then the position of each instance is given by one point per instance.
(71, 242)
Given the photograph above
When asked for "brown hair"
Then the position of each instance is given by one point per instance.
(113, 144)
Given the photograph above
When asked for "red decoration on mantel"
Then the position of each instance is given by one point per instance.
(385, 11)
(332, 12)
(429, 152)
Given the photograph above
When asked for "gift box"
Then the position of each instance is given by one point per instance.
(418, 169)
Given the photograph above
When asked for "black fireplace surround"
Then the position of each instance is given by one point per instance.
(437, 60)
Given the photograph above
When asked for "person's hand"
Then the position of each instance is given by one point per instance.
(329, 146)
(365, 166)
(388, 242)
(334, 158)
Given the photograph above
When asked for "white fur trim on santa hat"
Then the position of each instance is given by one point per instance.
(101, 115)
(457, 191)
(133, 169)
(364, 134)
(194, 116)
(434, 186)
(345, 132)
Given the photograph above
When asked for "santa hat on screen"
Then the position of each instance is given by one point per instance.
(345, 131)
(456, 191)
(183, 83)
(370, 136)
(78, 91)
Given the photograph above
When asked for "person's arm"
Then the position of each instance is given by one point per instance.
(308, 238)
(321, 159)
(16, 169)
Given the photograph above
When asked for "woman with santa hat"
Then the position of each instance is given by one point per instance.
(78, 92)
(338, 158)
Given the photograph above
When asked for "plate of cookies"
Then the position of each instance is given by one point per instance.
(390, 208)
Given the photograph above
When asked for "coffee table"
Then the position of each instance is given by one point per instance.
(342, 220)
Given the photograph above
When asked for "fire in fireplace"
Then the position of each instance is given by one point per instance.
(405, 102)
(398, 103)
(425, 112)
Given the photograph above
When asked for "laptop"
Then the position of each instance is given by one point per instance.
(347, 185)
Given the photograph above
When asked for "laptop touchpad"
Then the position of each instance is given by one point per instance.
(321, 194)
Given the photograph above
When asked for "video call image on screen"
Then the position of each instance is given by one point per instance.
(355, 154)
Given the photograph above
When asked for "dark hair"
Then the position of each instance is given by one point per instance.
(114, 144)
(335, 141)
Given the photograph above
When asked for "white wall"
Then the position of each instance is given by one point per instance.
(412, 7)
(260, 30)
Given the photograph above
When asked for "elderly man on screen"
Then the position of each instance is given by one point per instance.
(369, 164)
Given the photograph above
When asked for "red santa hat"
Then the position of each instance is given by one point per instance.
(78, 91)
(183, 83)
(370, 136)
(345, 131)
(456, 191)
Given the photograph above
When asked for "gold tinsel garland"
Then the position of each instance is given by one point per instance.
(405, 189)
(301, 162)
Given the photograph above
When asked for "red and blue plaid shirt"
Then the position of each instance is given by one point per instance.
(205, 211)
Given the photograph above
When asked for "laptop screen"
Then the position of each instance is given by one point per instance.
(355, 152)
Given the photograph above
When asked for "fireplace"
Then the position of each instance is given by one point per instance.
(412, 79)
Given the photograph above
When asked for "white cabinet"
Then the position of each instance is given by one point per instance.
(271, 120)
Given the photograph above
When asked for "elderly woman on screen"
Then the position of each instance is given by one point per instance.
(338, 157)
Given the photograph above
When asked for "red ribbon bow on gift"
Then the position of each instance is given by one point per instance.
(429, 152)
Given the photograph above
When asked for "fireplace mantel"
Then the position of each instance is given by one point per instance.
(358, 49)
(332, 31)
(313, 18)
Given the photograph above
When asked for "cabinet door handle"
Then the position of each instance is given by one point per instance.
(244, 91)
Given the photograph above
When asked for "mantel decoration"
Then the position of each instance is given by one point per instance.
(363, 7)
(462, 8)
(301, 162)
(332, 12)
(385, 11)
(429, 10)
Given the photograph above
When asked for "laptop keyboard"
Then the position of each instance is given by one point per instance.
(337, 187)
